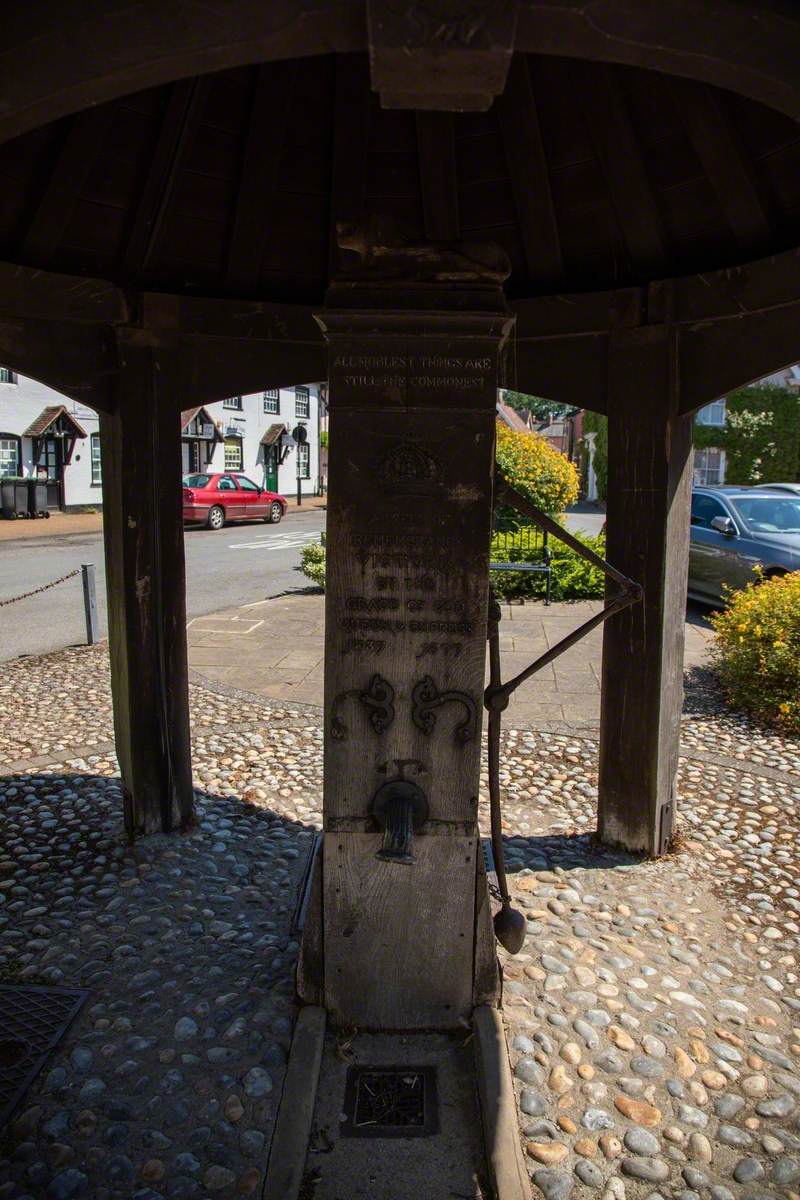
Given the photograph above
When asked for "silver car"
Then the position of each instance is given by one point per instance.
(737, 529)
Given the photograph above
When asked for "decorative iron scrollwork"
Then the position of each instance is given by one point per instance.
(426, 698)
(377, 698)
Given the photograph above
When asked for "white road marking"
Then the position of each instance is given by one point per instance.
(210, 629)
(285, 541)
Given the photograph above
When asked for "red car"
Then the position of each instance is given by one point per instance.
(229, 496)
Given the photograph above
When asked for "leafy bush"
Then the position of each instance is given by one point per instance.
(757, 650)
(535, 469)
(312, 563)
(572, 577)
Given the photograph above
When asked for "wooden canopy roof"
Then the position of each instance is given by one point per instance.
(174, 174)
(591, 176)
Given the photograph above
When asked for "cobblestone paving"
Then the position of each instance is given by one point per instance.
(653, 1016)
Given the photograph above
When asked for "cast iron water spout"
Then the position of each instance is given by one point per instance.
(400, 809)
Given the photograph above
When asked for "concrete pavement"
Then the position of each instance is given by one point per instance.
(275, 649)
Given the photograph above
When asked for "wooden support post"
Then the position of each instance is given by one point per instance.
(649, 503)
(145, 577)
(413, 395)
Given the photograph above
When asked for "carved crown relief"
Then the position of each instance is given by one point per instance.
(408, 470)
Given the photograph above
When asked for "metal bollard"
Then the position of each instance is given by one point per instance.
(90, 603)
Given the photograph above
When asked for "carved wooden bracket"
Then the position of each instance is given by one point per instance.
(451, 55)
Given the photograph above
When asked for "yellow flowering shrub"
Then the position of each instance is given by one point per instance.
(542, 474)
(757, 651)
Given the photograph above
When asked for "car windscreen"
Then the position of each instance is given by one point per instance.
(778, 515)
(196, 481)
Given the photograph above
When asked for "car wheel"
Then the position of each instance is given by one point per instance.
(275, 513)
(216, 517)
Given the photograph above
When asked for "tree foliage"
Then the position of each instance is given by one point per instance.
(544, 475)
(541, 408)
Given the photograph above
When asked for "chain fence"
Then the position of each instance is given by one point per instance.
(44, 588)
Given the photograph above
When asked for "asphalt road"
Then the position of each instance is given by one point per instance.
(243, 562)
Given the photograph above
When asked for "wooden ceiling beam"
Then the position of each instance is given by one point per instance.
(724, 160)
(530, 177)
(351, 107)
(79, 152)
(617, 148)
(177, 127)
(436, 149)
(266, 136)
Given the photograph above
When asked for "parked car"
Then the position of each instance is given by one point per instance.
(218, 497)
(793, 488)
(734, 530)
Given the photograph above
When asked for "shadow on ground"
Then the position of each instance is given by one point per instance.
(186, 944)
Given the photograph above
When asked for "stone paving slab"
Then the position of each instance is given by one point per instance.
(291, 636)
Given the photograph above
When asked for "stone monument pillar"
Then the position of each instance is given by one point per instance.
(400, 932)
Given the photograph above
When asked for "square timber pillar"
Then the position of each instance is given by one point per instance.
(403, 938)
(145, 578)
(649, 506)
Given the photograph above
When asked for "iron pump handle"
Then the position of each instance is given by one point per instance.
(509, 924)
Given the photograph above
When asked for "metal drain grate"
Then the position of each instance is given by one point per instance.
(383, 1102)
(33, 1020)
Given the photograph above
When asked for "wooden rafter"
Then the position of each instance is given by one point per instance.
(530, 179)
(350, 140)
(436, 148)
(266, 135)
(178, 124)
(82, 144)
(618, 150)
(724, 160)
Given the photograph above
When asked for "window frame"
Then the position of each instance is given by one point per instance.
(302, 403)
(8, 376)
(234, 403)
(272, 396)
(95, 462)
(230, 443)
(13, 437)
(700, 469)
(707, 421)
(304, 458)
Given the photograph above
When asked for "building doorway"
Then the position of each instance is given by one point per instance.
(271, 468)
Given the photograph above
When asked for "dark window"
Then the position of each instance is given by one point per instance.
(272, 401)
(233, 402)
(9, 454)
(246, 484)
(7, 376)
(196, 481)
(704, 509)
(226, 484)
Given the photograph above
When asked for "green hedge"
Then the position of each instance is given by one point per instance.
(572, 578)
(757, 650)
